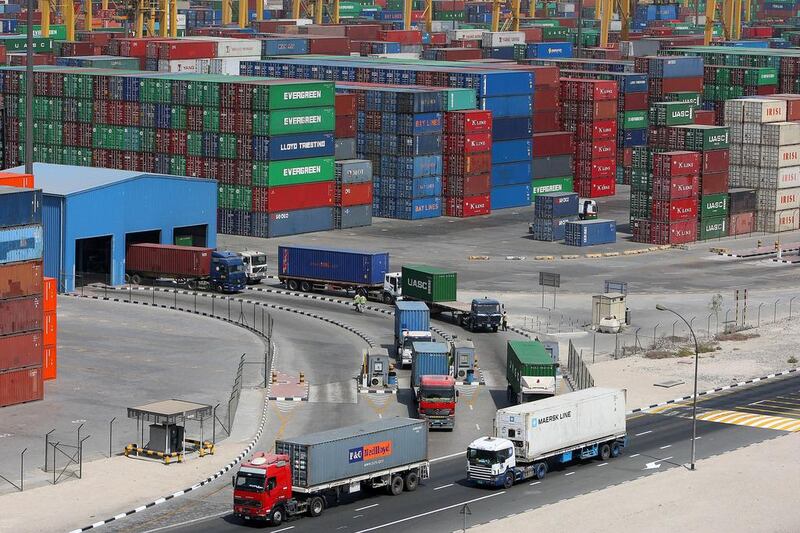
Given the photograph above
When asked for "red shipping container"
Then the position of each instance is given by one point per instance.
(675, 187)
(470, 206)
(546, 97)
(20, 279)
(469, 144)
(303, 196)
(597, 89)
(356, 194)
(438, 38)
(705, 117)
(676, 163)
(602, 129)
(716, 161)
(50, 327)
(662, 86)
(465, 165)
(400, 36)
(635, 101)
(742, 223)
(345, 127)
(467, 185)
(674, 210)
(20, 386)
(606, 149)
(319, 44)
(595, 168)
(472, 121)
(364, 32)
(627, 157)
(596, 188)
(20, 315)
(641, 230)
(553, 143)
(49, 362)
(532, 35)
(544, 121)
(18, 351)
(171, 50)
(459, 54)
(673, 233)
(462, 43)
(593, 110)
(714, 183)
(544, 76)
(345, 105)
(50, 293)
(189, 261)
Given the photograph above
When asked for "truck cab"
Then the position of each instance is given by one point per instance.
(489, 459)
(227, 272)
(392, 287)
(407, 339)
(436, 401)
(485, 313)
(261, 484)
(255, 265)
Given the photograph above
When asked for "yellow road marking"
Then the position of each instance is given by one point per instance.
(740, 418)
(769, 411)
(765, 402)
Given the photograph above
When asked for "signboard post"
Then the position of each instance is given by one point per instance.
(549, 279)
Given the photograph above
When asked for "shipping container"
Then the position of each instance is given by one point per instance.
(429, 359)
(50, 362)
(20, 207)
(50, 293)
(50, 328)
(20, 386)
(21, 279)
(293, 222)
(354, 216)
(468, 206)
(712, 228)
(777, 200)
(24, 181)
(557, 204)
(410, 316)
(338, 454)
(590, 232)
(319, 144)
(742, 223)
(778, 221)
(154, 260)
(714, 205)
(551, 229)
(675, 210)
(354, 171)
(673, 232)
(21, 315)
(18, 351)
(429, 284)
(351, 266)
(546, 185)
(294, 197)
(741, 201)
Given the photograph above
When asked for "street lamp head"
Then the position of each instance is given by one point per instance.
(660, 307)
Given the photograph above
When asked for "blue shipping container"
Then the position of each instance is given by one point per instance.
(631, 138)
(21, 243)
(511, 151)
(520, 105)
(284, 46)
(590, 232)
(502, 52)
(295, 146)
(511, 173)
(429, 359)
(508, 128)
(676, 67)
(558, 50)
(551, 229)
(511, 196)
(411, 166)
(420, 208)
(556, 204)
(300, 221)
(20, 207)
(410, 187)
(410, 316)
(332, 264)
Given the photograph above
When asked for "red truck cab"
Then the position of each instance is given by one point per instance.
(436, 401)
(261, 483)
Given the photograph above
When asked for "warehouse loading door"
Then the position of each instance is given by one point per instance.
(142, 237)
(191, 236)
(92, 260)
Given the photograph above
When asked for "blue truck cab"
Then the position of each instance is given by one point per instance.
(227, 272)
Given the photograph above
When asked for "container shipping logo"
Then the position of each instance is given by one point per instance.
(370, 452)
(536, 422)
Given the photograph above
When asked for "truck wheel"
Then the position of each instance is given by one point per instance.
(412, 481)
(616, 450)
(191, 284)
(136, 279)
(276, 516)
(305, 286)
(605, 452)
(388, 299)
(291, 285)
(315, 506)
(508, 481)
(494, 329)
(396, 486)
(540, 470)
(361, 292)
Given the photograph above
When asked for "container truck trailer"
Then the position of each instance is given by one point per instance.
(192, 266)
(531, 437)
(437, 288)
(412, 323)
(308, 473)
(530, 371)
(311, 269)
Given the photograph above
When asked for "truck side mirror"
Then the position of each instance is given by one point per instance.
(233, 481)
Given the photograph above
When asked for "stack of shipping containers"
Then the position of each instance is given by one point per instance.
(675, 188)
(552, 148)
(353, 190)
(22, 338)
(551, 213)
(766, 157)
(466, 182)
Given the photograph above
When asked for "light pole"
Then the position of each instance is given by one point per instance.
(29, 91)
(696, 363)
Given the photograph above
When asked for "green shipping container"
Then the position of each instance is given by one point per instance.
(713, 205)
(297, 171)
(429, 284)
(701, 137)
(458, 99)
(695, 99)
(712, 228)
(671, 113)
(527, 358)
(57, 31)
(289, 121)
(543, 186)
(235, 197)
(633, 120)
(293, 95)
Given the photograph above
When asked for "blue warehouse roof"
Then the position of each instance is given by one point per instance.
(65, 180)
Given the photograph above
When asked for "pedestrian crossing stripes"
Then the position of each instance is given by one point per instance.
(740, 418)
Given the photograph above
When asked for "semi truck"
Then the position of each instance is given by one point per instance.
(255, 265)
(532, 437)
(308, 269)
(437, 288)
(412, 323)
(191, 266)
(306, 474)
(530, 371)
(433, 384)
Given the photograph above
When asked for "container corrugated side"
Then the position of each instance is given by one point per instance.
(21, 279)
(21, 243)
(429, 284)
(429, 359)
(351, 266)
(20, 315)
(20, 386)
(348, 452)
(18, 351)
(168, 259)
(20, 207)
(411, 316)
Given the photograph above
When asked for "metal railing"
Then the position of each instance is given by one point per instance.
(577, 369)
(233, 403)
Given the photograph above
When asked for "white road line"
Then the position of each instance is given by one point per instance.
(444, 486)
(171, 526)
(534, 483)
(284, 529)
(445, 457)
(569, 473)
(634, 455)
(357, 516)
(665, 447)
(380, 415)
(643, 433)
(439, 510)
(602, 464)
(367, 507)
(477, 427)
(698, 438)
(470, 407)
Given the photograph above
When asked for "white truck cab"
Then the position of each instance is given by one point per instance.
(408, 338)
(488, 460)
(255, 265)
(392, 287)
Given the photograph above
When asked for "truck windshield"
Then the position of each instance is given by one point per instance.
(259, 260)
(483, 457)
(411, 340)
(487, 309)
(432, 394)
(250, 482)
(235, 267)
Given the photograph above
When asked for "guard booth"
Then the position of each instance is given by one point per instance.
(463, 356)
(375, 370)
(608, 305)
(167, 430)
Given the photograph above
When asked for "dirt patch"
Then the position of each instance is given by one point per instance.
(737, 336)
(660, 354)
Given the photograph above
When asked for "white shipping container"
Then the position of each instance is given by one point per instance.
(735, 157)
(777, 199)
(198, 66)
(566, 8)
(228, 65)
(777, 221)
(439, 26)
(780, 133)
(780, 156)
(499, 39)
(749, 133)
(540, 428)
(750, 154)
(465, 35)
(763, 111)
(239, 48)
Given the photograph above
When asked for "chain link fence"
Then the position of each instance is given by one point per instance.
(579, 374)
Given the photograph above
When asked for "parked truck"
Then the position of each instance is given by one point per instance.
(531, 437)
(433, 384)
(412, 323)
(308, 473)
(191, 266)
(530, 371)
(255, 265)
(437, 288)
(308, 269)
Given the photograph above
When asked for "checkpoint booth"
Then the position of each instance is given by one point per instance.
(167, 420)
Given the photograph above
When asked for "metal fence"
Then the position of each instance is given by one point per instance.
(233, 402)
(578, 371)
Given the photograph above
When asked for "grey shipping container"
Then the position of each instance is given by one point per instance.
(344, 149)
(300, 221)
(552, 167)
(20, 207)
(353, 216)
(340, 454)
(354, 170)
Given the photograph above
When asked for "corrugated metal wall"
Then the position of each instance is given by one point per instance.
(51, 220)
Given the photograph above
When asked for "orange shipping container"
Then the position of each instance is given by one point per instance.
(19, 386)
(18, 351)
(50, 328)
(50, 363)
(20, 279)
(10, 179)
(50, 294)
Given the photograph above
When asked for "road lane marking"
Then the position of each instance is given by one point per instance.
(740, 418)
(367, 507)
(534, 483)
(357, 516)
(439, 510)
(477, 427)
(569, 473)
(665, 447)
(470, 407)
(171, 526)
(634, 455)
(284, 529)
(643, 433)
(444, 486)
(602, 464)
(445, 457)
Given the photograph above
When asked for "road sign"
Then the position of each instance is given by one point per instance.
(616, 286)
(549, 279)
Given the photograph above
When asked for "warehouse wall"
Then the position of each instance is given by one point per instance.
(140, 204)
(52, 209)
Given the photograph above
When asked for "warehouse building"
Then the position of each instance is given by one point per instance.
(91, 215)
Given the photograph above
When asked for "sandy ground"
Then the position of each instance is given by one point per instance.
(756, 488)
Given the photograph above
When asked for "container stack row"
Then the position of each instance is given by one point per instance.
(553, 148)
(346, 122)
(353, 194)
(552, 212)
(766, 157)
(723, 83)
(467, 163)
(22, 316)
